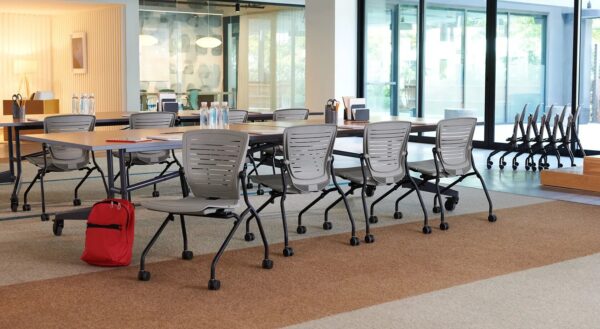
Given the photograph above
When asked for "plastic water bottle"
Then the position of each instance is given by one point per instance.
(225, 115)
(214, 115)
(75, 104)
(204, 115)
(92, 105)
(83, 104)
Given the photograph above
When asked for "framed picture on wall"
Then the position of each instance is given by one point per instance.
(79, 52)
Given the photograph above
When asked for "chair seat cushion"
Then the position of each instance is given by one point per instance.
(189, 205)
(144, 158)
(354, 175)
(274, 182)
(38, 161)
(427, 167)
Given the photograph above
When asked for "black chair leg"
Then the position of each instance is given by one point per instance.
(249, 236)
(438, 196)
(186, 254)
(287, 250)
(27, 206)
(267, 263)
(213, 283)
(302, 229)
(76, 200)
(354, 241)
(369, 238)
(144, 275)
(426, 227)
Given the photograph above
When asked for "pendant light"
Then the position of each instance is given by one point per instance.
(208, 41)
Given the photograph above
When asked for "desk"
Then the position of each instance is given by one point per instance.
(260, 133)
(15, 126)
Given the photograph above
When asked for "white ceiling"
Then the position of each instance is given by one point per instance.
(46, 7)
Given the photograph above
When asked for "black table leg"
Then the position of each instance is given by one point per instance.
(9, 176)
(14, 199)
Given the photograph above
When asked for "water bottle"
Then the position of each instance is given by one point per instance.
(204, 115)
(75, 104)
(83, 104)
(225, 115)
(214, 113)
(92, 105)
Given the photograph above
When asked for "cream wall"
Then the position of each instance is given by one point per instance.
(105, 67)
(26, 37)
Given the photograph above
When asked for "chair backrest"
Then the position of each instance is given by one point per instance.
(290, 114)
(145, 120)
(454, 142)
(522, 119)
(384, 146)
(238, 116)
(69, 157)
(307, 154)
(213, 160)
(534, 119)
(516, 125)
(152, 120)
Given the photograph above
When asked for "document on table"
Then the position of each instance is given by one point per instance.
(167, 137)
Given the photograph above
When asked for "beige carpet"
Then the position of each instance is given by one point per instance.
(325, 277)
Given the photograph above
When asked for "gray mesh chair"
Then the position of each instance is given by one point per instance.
(213, 169)
(452, 157)
(238, 116)
(307, 166)
(148, 120)
(383, 162)
(290, 114)
(62, 159)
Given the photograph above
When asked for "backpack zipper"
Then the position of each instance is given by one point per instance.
(109, 226)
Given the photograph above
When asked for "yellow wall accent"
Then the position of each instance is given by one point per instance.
(105, 58)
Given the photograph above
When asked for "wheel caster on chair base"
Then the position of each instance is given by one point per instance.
(398, 215)
(450, 203)
(444, 226)
(144, 276)
(214, 284)
(327, 226)
(301, 229)
(492, 218)
(249, 186)
(369, 238)
(354, 241)
(373, 219)
(155, 194)
(267, 264)
(77, 202)
(426, 230)
(187, 255)
(288, 252)
(436, 210)
(260, 192)
(57, 227)
(26, 207)
(249, 236)
(14, 204)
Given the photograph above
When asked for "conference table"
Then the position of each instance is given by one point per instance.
(15, 126)
(260, 134)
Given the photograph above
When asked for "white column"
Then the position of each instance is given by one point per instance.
(331, 30)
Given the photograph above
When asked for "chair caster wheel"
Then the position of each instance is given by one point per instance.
(501, 166)
(503, 163)
(26, 207)
(144, 276)
(573, 165)
(327, 226)
(57, 227)
(373, 219)
(155, 194)
(301, 229)
(492, 218)
(560, 165)
(214, 284)
(370, 191)
(426, 230)
(288, 252)
(354, 241)
(398, 215)
(444, 226)
(534, 169)
(267, 264)
(77, 202)
(489, 166)
(249, 236)
(369, 238)
(527, 168)
(249, 186)
(260, 192)
(514, 167)
(450, 204)
(436, 210)
(187, 255)
(14, 205)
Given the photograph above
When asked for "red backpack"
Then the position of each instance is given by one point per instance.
(109, 234)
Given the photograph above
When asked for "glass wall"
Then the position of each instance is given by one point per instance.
(589, 78)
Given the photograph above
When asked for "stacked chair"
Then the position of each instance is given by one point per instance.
(452, 158)
(147, 120)
(307, 166)
(213, 168)
(63, 159)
